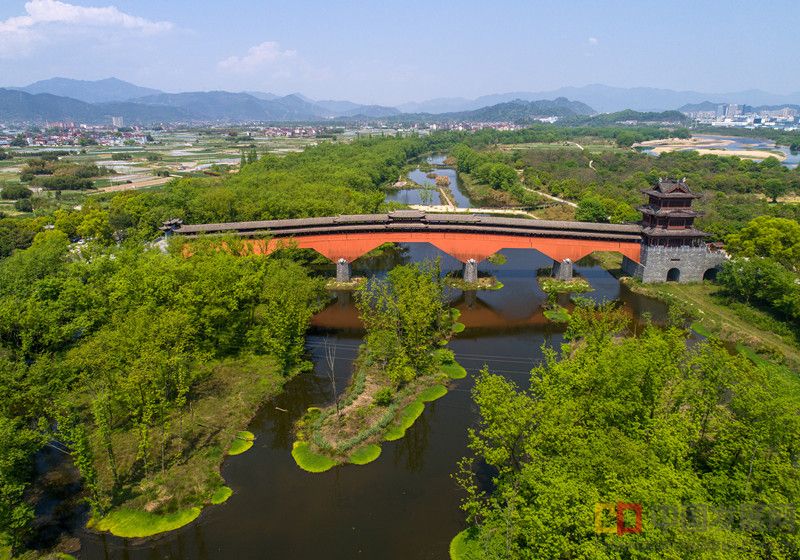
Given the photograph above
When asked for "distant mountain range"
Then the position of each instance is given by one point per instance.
(606, 99)
(63, 99)
(97, 91)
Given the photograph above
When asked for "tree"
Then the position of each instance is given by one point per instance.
(643, 420)
(15, 192)
(591, 208)
(767, 236)
(19, 141)
(24, 205)
(17, 447)
(406, 317)
(774, 188)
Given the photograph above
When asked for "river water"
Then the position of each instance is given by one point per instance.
(405, 504)
(722, 142)
(430, 197)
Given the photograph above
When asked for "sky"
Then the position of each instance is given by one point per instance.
(390, 52)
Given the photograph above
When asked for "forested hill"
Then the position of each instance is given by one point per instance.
(516, 111)
(629, 116)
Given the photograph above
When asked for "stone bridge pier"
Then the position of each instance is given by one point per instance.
(343, 270)
(562, 270)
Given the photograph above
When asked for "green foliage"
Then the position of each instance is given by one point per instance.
(766, 236)
(762, 281)
(310, 461)
(19, 141)
(644, 420)
(406, 317)
(221, 495)
(406, 419)
(489, 168)
(384, 397)
(15, 192)
(17, 447)
(129, 523)
(23, 205)
(242, 442)
(365, 455)
(289, 298)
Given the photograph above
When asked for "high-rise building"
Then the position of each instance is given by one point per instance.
(117, 122)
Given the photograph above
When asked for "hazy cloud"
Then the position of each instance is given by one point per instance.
(19, 34)
(593, 40)
(267, 55)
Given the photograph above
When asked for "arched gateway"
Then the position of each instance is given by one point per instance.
(469, 238)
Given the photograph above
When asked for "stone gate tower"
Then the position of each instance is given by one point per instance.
(672, 248)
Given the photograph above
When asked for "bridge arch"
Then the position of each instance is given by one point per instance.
(466, 237)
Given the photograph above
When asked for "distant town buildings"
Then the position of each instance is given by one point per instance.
(117, 122)
(729, 115)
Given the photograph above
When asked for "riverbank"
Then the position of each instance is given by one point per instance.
(371, 412)
(713, 315)
(484, 195)
(185, 475)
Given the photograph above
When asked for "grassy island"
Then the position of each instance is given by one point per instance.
(400, 367)
(554, 286)
(483, 283)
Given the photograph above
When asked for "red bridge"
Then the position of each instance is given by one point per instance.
(468, 237)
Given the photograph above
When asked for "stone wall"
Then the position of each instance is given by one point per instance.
(681, 264)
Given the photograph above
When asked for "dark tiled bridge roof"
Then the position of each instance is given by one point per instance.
(412, 220)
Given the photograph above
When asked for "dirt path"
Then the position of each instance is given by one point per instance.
(551, 197)
(441, 208)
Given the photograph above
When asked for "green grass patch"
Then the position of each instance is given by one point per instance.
(407, 418)
(751, 355)
(130, 523)
(433, 393)
(365, 454)
(700, 329)
(241, 443)
(464, 546)
(557, 314)
(556, 286)
(497, 259)
(310, 461)
(221, 495)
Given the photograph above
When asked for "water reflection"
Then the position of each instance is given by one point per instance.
(405, 504)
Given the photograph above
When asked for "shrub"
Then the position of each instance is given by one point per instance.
(384, 397)
(15, 192)
(24, 205)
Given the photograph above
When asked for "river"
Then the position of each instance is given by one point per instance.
(733, 143)
(405, 504)
(430, 197)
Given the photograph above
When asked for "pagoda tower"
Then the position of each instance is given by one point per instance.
(673, 249)
(668, 218)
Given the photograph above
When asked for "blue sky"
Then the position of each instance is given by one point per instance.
(394, 51)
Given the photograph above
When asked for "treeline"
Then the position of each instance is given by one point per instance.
(552, 133)
(328, 179)
(494, 169)
(620, 176)
(765, 269)
(50, 173)
(102, 350)
(702, 441)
